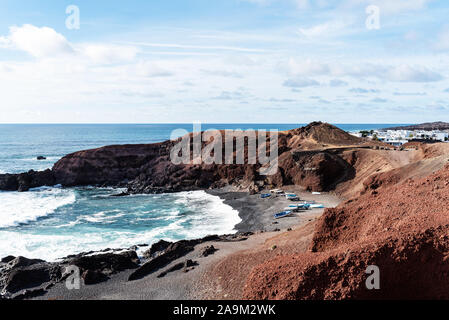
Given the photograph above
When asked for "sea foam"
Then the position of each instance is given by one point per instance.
(25, 207)
(80, 221)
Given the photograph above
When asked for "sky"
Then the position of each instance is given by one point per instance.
(227, 61)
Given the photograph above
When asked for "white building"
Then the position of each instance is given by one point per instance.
(441, 136)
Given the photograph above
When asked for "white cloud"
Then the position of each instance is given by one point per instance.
(363, 90)
(38, 42)
(300, 83)
(151, 69)
(327, 29)
(364, 70)
(107, 54)
(337, 83)
(406, 73)
(307, 67)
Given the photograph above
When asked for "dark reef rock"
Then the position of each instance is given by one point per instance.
(25, 181)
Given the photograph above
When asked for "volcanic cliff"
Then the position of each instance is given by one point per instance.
(311, 157)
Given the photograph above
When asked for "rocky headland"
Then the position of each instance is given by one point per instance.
(312, 156)
(393, 216)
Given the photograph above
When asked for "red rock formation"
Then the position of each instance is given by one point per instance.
(403, 229)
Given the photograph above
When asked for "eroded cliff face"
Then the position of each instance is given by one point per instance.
(401, 228)
(309, 157)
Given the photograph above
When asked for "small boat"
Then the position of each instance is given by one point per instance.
(277, 191)
(292, 197)
(265, 195)
(304, 206)
(316, 193)
(316, 206)
(283, 214)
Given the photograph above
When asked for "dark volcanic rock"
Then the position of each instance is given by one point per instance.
(22, 274)
(174, 251)
(8, 259)
(8, 182)
(207, 251)
(93, 277)
(155, 248)
(23, 262)
(25, 181)
(18, 278)
(107, 263)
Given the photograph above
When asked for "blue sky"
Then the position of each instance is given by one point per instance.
(279, 61)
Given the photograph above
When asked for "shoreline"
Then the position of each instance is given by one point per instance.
(196, 283)
(256, 227)
(257, 214)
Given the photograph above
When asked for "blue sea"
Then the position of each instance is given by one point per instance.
(53, 222)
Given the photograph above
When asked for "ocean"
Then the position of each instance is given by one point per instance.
(53, 222)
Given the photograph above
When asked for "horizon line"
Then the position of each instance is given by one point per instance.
(191, 123)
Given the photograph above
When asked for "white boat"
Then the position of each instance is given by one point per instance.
(292, 197)
(277, 191)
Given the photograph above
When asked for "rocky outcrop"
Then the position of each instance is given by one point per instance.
(313, 170)
(402, 229)
(207, 251)
(22, 274)
(149, 169)
(162, 253)
(107, 263)
(429, 126)
(22, 278)
(26, 181)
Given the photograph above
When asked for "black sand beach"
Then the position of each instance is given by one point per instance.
(257, 217)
